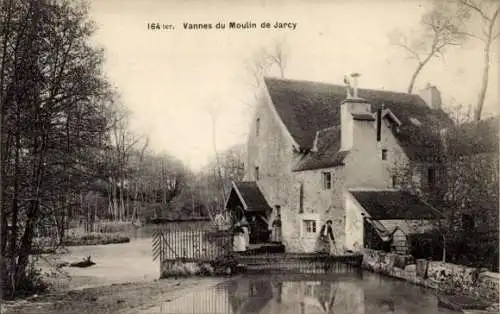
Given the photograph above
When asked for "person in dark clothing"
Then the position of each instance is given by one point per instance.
(326, 238)
(254, 230)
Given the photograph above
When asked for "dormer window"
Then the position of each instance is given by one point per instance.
(384, 154)
(257, 127)
(327, 180)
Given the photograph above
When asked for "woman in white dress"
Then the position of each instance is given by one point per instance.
(246, 233)
(239, 243)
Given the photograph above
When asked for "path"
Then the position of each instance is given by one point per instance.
(124, 280)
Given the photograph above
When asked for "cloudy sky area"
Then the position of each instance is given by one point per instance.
(169, 78)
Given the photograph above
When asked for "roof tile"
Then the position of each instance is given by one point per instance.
(251, 194)
(306, 107)
(327, 152)
(386, 205)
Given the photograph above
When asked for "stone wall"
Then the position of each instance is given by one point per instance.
(364, 165)
(271, 149)
(354, 224)
(321, 205)
(364, 168)
(446, 277)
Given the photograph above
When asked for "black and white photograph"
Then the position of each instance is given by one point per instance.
(249, 157)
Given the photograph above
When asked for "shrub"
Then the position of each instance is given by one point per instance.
(95, 238)
(30, 284)
(475, 250)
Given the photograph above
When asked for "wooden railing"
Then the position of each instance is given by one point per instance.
(191, 244)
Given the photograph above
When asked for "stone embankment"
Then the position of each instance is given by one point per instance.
(458, 287)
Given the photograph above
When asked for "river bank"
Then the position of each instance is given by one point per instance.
(114, 298)
(458, 287)
(125, 278)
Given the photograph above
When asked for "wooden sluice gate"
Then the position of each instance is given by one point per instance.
(204, 250)
(299, 263)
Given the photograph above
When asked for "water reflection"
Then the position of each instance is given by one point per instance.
(353, 294)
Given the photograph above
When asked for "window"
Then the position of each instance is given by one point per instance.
(256, 174)
(431, 177)
(309, 226)
(257, 127)
(327, 180)
(394, 181)
(384, 154)
(278, 210)
(309, 290)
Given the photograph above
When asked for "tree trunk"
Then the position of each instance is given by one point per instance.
(13, 239)
(26, 243)
(484, 82)
(33, 211)
(414, 77)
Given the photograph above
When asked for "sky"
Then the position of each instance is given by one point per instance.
(171, 78)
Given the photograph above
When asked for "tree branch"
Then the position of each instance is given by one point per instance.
(471, 35)
(411, 51)
(495, 36)
(475, 7)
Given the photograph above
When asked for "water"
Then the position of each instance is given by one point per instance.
(352, 293)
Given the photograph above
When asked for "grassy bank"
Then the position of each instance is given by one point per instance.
(95, 238)
(104, 226)
(46, 244)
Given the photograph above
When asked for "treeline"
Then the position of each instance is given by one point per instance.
(67, 154)
(152, 185)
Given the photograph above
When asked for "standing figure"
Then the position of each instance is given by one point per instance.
(219, 220)
(239, 242)
(246, 232)
(254, 231)
(276, 231)
(326, 239)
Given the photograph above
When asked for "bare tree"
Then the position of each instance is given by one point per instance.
(277, 56)
(459, 113)
(214, 111)
(488, 12)
(439, 30)
(265, 60)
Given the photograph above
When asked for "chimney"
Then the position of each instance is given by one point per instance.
(431, 95)
(351, 105)
(355, 84)
(379, 122)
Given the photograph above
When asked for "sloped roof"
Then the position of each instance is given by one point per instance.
(473, 138)
(327, 153)
(387, 205)
(407, 228)
(251, 195)
(306, 107)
